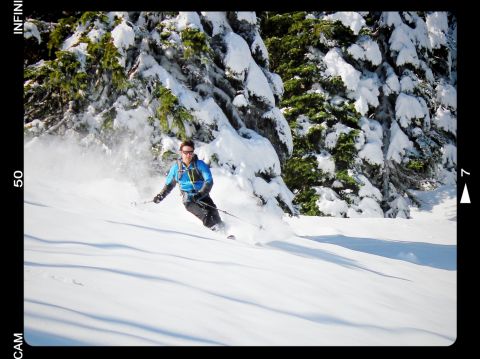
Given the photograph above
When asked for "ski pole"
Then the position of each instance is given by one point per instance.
(137, 203)
(223, 211)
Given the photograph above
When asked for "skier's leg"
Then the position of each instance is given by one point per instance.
(213, 217)
(198, 211)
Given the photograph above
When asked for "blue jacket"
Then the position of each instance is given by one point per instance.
(194, 178)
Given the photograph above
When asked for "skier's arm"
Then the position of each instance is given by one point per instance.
(166, 189)
(207, 179)
(169, 184)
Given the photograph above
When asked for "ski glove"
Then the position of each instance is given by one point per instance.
(158, 198)
(194, 197)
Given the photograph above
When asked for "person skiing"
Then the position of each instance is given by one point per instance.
(195, 181)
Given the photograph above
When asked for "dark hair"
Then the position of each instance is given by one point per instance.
(188, 143)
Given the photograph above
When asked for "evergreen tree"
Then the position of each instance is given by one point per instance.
(371, 101)
(370, 97)
(156, 78)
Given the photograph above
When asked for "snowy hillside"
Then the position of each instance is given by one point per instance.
(99, 271)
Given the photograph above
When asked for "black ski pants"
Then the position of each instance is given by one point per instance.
(208, 215)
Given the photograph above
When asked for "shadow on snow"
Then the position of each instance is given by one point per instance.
(427, 254)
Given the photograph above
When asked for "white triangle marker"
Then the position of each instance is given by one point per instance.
(465, 196)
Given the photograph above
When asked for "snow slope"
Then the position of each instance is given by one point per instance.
(99, 271)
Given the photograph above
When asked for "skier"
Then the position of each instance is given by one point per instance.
(195, 182)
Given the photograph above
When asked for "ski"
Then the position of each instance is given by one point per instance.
(231, 236)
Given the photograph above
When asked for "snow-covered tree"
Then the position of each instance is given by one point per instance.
(371, 100)
(349, 110)
(151, 79)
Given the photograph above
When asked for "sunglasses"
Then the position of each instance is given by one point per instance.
(187, 152)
